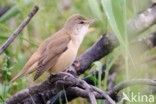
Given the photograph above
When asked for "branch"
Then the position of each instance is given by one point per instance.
(149, 41)
(142, 22)
(101, 48)
(3, 10)
(114, 91)
(19, 29)
(60, 81)
(107, 43)
(129, 83)
(78, 89)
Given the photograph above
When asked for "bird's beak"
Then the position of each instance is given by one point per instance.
(89, 21)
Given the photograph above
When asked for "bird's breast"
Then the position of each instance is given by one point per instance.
(65, 59)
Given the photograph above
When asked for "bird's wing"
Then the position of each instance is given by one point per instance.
(51, 53)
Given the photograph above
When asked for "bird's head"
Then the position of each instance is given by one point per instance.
(78, 25)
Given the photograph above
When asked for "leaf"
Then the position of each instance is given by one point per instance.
(95, 8)
(109, 11)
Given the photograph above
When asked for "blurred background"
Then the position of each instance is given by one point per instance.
(110, 15)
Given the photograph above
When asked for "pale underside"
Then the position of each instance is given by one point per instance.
(65, 60)
(55, 54)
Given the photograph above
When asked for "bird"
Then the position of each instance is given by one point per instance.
(58, 51)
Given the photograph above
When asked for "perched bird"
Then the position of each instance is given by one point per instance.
(58, 51)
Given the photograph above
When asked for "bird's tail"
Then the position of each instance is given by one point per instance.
(17, 76)
(25, 71)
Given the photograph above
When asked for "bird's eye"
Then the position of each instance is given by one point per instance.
(81, 22)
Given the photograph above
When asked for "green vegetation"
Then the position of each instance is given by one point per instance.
(110, 15)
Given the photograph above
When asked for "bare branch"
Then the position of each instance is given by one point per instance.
(132, 82)
(104, 94)
(60, 81)
(101, 48)
(3, 10)
(107, 43)
(19, 29)
(142, 22)
(92, 98)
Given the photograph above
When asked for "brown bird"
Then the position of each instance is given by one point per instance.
(58, 51)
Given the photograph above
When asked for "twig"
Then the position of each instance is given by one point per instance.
(19, 29)
(88, 88)
(129, 83)
(3, 10)
(111, 81)
(92, 98)
(100, 49)
(142, 22)
(59, 81)
(104, 94)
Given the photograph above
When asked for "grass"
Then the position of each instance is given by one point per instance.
(110, 15)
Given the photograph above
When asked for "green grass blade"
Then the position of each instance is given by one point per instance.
(107, 6)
